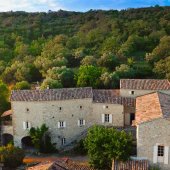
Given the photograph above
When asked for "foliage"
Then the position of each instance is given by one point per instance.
(79, 147)
(64, 75)
(124, 71)
(106, 144)
(11, 155)
(4, 92)
(42, 140)
(155, 168)
(88, 76)
(23, 85)
(110, 81)
(108, 60)
(89, 60)
(162, 68)
(53, 84)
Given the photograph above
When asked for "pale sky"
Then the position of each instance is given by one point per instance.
(75, 5)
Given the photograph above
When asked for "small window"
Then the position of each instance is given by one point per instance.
(27, 125)
(63, 141)
(106, 117)
(81, 122)
(27, 110)
(60, 108)
(133, 92)
(61, 124)
(107, 107)
(81, 107)
(161, 151)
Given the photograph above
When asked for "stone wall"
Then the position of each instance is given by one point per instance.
(152, 133)
(49, 112)
(7, 129)
(125, 92)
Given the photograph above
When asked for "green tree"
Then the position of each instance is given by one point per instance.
(124, 71)
(53, 84)
(42, 140)
(108, 60)
(63, 74)
(23, 85)
(89, 60)
(110, 81)
(88, 76)
(106, 144)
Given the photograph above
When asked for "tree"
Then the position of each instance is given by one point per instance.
(124, 71)
(108, 60)
(35, 73)
(89, 60)
(88, 76)
(106, 144)
(42, 140)
(53, 84)
(162, 68)
(62, 74)
(23, 85)
(110, 81)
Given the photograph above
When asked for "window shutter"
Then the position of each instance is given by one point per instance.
(130, 92)
(83, 122)
(166, 154)
(78, 122)
(104, 106)
(110, 118)
(155, 153)
(24, 125)
(58, 124)
(64, 124)
(102, 118)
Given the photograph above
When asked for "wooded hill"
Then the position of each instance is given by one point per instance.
(95, 48)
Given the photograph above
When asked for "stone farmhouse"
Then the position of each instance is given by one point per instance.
(69, 112)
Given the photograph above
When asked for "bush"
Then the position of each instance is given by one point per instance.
(11, 155)
(155, 168)
(79, 147)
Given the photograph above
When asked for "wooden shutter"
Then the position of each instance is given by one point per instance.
(155, 154)
(166, 152)
(104, 106)
(58, 124)
(130, 92)
(78, 122)
(103, 118)
(24, 125)
(64, 124)
(29, 125)
(110, 118)
(83, 122)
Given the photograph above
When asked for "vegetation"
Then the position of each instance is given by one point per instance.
(79, 147)
(106, 144)
(42, 140)
(11, 155)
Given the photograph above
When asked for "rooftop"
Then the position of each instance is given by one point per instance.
(145, 84)
(7, 113)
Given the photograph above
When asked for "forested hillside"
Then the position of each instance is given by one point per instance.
(96, 48)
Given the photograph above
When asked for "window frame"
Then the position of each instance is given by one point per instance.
(63, 141)
(106, 118)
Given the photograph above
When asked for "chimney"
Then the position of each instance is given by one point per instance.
(37, 88)
(48, 87)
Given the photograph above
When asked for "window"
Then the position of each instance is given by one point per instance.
(60, 108)
(160, 150)
(107, 107)
(81, 107)
(61, 124)
(27, 110)
(63, 141)
(132, 92)
(106, 117)
(81, 122)
(26, 125)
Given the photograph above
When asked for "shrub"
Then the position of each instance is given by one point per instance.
(11, 155)
(79, 147)
(155, 168)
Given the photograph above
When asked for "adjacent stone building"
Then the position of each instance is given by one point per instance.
(69, 112)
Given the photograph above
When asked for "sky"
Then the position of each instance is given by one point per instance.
(76, 5)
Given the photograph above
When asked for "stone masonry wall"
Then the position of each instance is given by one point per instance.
(152, 133)
(7, 129)
(125, 92)
(49, 112)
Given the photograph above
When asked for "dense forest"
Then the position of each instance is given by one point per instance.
(76, 49)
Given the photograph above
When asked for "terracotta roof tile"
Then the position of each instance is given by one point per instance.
(7, 113)
(145, 84)
(51, 94)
